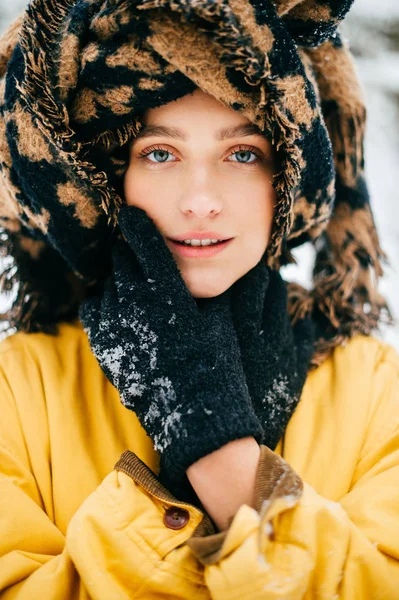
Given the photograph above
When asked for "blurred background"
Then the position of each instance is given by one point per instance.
(372, 29)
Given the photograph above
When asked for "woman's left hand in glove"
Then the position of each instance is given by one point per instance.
(175, 363)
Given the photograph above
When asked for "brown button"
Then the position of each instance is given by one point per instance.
(176, 517)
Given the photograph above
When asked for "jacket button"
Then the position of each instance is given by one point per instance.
(176, 517)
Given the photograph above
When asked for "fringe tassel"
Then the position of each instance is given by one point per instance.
(109, 140)
(50, 117)
(347, 134)
(344, 294)
(286, 180)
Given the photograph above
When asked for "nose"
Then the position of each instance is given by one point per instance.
(200, 194)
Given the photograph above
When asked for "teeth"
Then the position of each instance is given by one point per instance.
(201, 242)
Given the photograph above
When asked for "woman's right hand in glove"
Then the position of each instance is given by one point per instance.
(176, 365)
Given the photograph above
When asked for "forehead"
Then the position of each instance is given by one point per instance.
(198, 114)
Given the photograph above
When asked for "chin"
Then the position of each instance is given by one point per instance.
(211, 283)
(207, 289)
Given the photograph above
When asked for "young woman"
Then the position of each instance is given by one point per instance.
(177, 421)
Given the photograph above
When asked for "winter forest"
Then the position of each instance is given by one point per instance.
(372, 29)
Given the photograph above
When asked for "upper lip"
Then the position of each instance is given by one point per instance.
(199, 235)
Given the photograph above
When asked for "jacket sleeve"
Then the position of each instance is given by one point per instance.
(299, 544)
(115, 544)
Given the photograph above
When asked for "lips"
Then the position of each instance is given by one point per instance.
(199, 251)
(200, 235)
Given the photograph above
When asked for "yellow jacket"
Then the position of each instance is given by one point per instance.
(82, 514)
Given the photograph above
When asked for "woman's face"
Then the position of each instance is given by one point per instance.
(200, 167)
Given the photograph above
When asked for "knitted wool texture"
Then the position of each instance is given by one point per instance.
(77, 76)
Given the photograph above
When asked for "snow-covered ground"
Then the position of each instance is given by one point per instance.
(372, 28)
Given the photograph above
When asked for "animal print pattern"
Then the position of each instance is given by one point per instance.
(76, 78)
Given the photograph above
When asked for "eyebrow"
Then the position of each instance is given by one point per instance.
(223, 134)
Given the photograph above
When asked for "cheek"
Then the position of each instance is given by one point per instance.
(254, 207)
(133, 189)
(143, 191)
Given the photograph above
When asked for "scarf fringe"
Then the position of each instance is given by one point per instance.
(346, 296)
(347, 135)
(50, 116)
(286, 180)
(109, 140)
(346, 270)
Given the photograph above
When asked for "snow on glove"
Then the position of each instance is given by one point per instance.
(175, 365)
(275, 355)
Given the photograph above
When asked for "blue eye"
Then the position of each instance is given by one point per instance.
(243, 156)
(162, 155)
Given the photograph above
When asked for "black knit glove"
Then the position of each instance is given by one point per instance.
(175, 364)
(275, 356)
